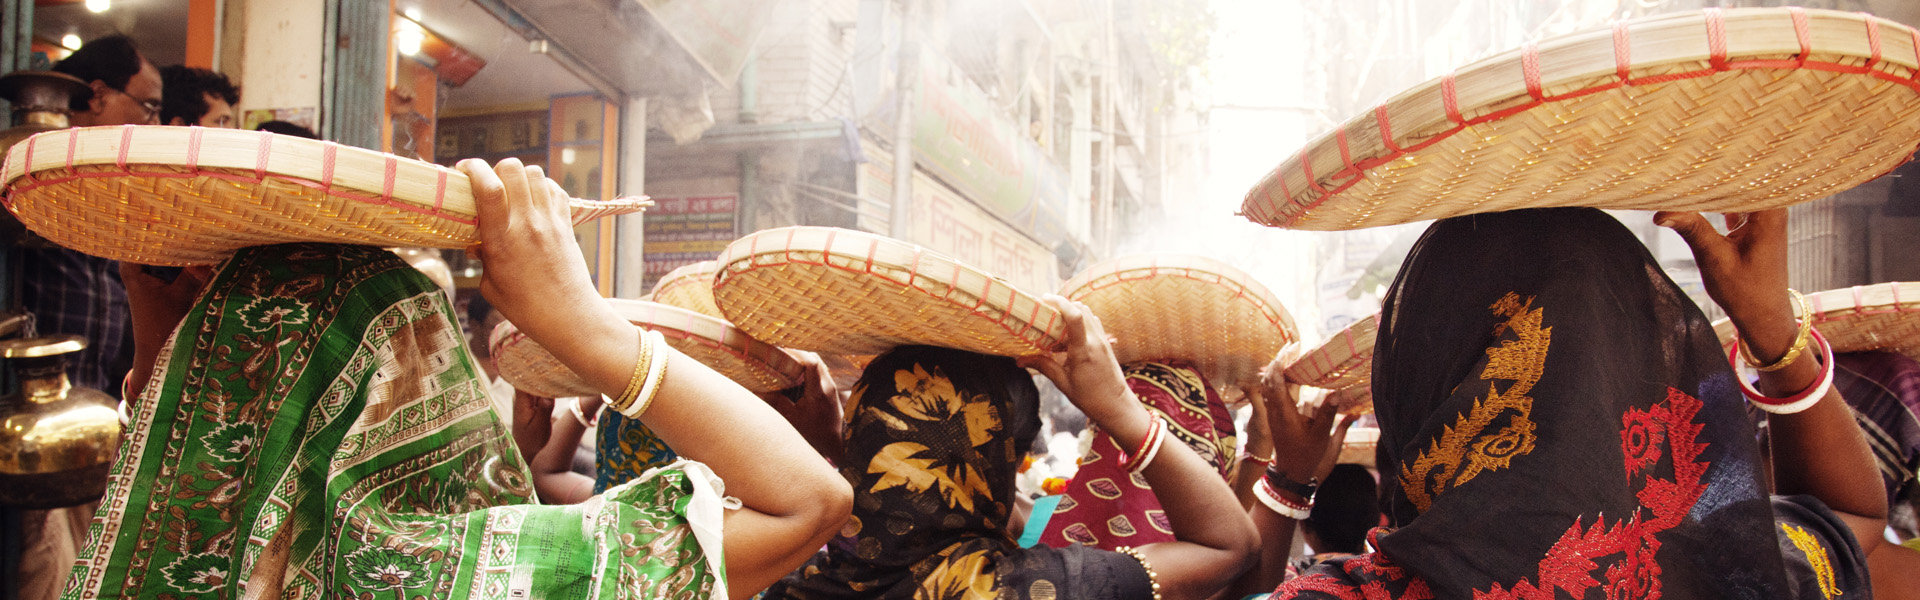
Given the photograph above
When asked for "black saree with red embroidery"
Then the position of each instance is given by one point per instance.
(1557, 421)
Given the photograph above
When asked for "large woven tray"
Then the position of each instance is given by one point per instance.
(1735, 110)
(749, 362)
(1343, 360)
(1192, 308)
(1354, 399)
(689, 287)
(191, 195)
(1883, 316)
(837, 291)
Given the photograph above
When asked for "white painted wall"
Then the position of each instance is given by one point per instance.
(284, 46)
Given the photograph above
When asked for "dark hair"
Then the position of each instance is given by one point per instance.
(1345, 509)
(286, 128)
(478, 308)
(111, 60)
(185, 92)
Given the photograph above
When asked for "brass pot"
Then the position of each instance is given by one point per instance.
(56, 440)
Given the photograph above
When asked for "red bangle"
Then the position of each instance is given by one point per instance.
(1266, 462)
(1798, 402)
(1137, 460)
(1279, 504)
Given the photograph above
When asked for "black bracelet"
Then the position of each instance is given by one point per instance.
(1279, 480)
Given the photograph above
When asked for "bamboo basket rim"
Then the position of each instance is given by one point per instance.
(1205, 309)
(797, 286)
(689, 286)
(1881, 316)
(756, 365)
(436, 203)
(1343, 360)
(1632, 54)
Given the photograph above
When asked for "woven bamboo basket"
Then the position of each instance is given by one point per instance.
(836, 291)
(1734, 110)
(1883, 316)
(1360, 445)
(191, 195)
(1191, 308)
(1353, 399)
(1342, 361)
(753, 364)
(689, 287)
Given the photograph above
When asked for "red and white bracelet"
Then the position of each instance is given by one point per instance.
(1149, 447)
(1268, 496)
(1798, 402)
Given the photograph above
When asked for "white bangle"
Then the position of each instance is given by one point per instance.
(580, 414)
(656, 372)
(1267, 496)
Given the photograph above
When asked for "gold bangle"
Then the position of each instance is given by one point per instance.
(656, 373)
(1800, 339)
(636, 381)
(1152, 577)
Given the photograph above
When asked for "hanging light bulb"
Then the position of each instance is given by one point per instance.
(409, 38)
(99, 6)
(70, 41)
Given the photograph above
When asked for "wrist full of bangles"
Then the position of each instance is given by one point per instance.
(1804, 337)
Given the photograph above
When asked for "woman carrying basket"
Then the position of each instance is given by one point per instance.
(315, 429)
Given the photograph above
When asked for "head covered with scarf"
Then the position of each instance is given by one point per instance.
(317, 428)
(1107, 507)
(1557, 420)
(934, 440)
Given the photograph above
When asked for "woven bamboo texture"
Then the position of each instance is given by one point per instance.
(1883, 316)
(1343, 360)
(836, 291)
(1734, 110)
(689, 287)
(1353, 399)
(191, 195)
(1191, 308)
(749, 362)
(1359, 446)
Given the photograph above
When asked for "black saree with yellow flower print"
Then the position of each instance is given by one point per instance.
(1557, 421)
(934, 440)
(317, 429)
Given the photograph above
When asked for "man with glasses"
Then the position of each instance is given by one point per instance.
(126, 88)
(73, 293)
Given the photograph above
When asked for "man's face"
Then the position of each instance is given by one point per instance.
(139, 104)
(219, 113)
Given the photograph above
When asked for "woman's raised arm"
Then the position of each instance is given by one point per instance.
(793, 501)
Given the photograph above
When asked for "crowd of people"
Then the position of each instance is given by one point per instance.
(1556, 417)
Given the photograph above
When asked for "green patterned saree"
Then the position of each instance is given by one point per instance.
(317, 429)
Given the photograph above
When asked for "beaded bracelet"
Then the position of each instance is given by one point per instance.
(1798, 402)
(1264, 462)
(1152, 577)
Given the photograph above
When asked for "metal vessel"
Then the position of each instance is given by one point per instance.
(56, 440)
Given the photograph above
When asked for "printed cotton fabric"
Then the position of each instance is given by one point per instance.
(316, 428)
(1884, 389)
(1105, 506)
(1557, 421)
(933, 442)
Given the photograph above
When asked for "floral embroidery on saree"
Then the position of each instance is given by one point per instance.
(1465, 449)
(1816, 554)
